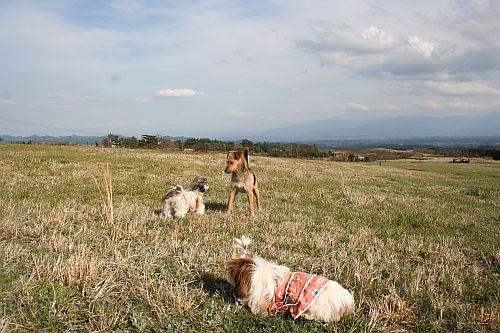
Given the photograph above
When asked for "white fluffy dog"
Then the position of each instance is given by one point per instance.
(268, 288)
(178, 202)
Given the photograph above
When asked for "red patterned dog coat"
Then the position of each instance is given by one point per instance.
(297, 292)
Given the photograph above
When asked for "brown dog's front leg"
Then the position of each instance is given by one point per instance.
(230, 202)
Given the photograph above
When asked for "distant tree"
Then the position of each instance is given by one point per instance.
(105, 142)
(166, 143)
(149, 141)
(262, 147)
(495, 154)
(130, 142)
(245, 143)
(205, 144)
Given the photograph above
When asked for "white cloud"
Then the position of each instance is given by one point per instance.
(447, 105)
(424, 47)
(357, 107)
(352, 61)
(60, 97)
(375, 108)
(238, 114)
(370, 51)
(331, 40)
(375, 52)
(142, 100)
(179, 93)
(462, 88)
(377, 37)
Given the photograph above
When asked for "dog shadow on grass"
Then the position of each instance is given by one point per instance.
(216, 206)
(215, 286)
(209, 206)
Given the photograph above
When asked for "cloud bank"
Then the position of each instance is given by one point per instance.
(92, 62)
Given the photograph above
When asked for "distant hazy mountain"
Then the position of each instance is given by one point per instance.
(440, 131)
(384, 128)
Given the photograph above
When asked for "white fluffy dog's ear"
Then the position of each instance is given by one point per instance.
(242, 246)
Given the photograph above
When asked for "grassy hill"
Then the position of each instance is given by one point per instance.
(82, 250)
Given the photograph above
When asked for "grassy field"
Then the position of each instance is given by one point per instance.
(81, 249)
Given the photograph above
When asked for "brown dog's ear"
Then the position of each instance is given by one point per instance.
(233, 154)
(241, 271)
(238, 154)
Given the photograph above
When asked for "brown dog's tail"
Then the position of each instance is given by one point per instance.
(245, 154)
(242, 247)
(173, 191)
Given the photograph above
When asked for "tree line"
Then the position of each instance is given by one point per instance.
(493, 153)
(274, 149)
(277, 149)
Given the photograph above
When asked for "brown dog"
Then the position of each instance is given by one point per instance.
(242, 179)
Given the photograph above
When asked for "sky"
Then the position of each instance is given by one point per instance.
(205, 68)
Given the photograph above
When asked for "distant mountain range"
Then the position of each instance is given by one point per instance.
(407, 128)
(423, 131)
(72, 138)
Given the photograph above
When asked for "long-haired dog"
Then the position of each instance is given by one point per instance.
(178, 202)
(268, 288)
(242, 180)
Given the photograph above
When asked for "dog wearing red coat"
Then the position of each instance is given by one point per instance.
(268, 288)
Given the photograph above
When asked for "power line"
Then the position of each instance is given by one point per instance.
(15, 130)
(48, 127)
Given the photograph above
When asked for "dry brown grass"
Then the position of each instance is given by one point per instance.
(82, 250)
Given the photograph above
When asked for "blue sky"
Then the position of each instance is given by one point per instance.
(204, 68)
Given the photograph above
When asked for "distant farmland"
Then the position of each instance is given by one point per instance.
(81, 248)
